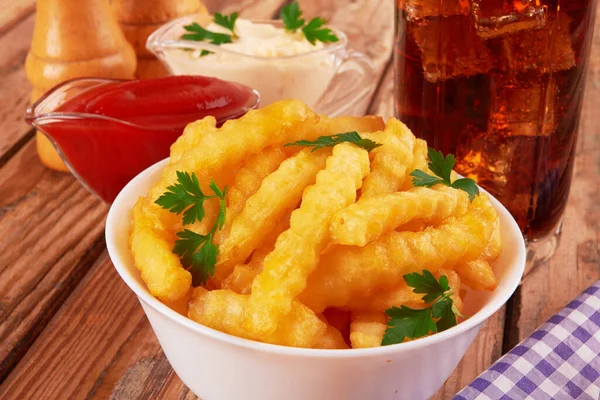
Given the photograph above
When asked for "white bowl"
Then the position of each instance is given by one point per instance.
(216, 366)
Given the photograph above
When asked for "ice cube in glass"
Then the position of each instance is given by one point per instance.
(501, 17)
(450, 48)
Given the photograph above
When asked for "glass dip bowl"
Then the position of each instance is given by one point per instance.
(331, 79)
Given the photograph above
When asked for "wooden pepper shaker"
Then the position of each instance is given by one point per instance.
(71, 39)
(139, 18)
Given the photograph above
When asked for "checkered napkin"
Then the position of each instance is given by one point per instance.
(560, 360)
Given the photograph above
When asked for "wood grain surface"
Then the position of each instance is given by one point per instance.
(13, 11)
(14, 88)
(50, 227)
(70, 328)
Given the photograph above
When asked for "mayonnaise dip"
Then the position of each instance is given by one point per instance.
(280, 65)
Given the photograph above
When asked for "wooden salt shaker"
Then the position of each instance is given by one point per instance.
(139, 18)
(71, 39)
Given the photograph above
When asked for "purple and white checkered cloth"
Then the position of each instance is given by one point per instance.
(560, 360)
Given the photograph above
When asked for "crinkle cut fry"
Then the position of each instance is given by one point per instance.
(159, 267)
(247, 181)
(420, 161)
(479, 274)
(249, 178)
(240, 280)
(191, 136)
(454, 283)
(391, 161)
(494, 247)
(297, 250)
(381, 300)
(367, 329)
(263, 210)
(369, 218)
(274, 124)
(342, 124)
(223, 310)
(332, 338)
(353, 271)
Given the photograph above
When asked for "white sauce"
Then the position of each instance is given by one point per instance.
(304, 77)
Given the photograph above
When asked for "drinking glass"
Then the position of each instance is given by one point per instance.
(499, 84)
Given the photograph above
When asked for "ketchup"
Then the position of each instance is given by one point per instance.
(111, 132)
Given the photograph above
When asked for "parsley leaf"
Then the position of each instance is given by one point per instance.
(406, 322)
(226, 21)
(222, 204)
(468, 185)
(442, 167)
(439, 165)
(201, 262)
(199, 34)
(409, 323)
(313, 31)
(332, 140)
(185, 196)
(291, 16)
(427, 284)
(198, 253)
(444, 311)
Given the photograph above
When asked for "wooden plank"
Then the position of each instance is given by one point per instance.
(101, 320)
(383, 101)
(576, 264)
(14, 87)
(13, 11)
(99, 345)
(50, 226)
(253, 9)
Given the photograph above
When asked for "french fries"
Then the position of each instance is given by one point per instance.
(263, 211)
(249, 178)
(367, 329)
(223, 310)
(390, 161)
(159, 267)
(297, 250)
(312, 246)
(371, 217)
(354, 271)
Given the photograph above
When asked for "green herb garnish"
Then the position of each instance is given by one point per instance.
(442, 168)
(227, 21)
(197, 252)
(332, 140)
(313, 31)
(199, 34)
(406, 322)
(292, 17)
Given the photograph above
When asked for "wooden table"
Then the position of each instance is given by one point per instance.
(70, 328)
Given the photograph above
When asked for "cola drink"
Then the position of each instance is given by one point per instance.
(499, 84)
